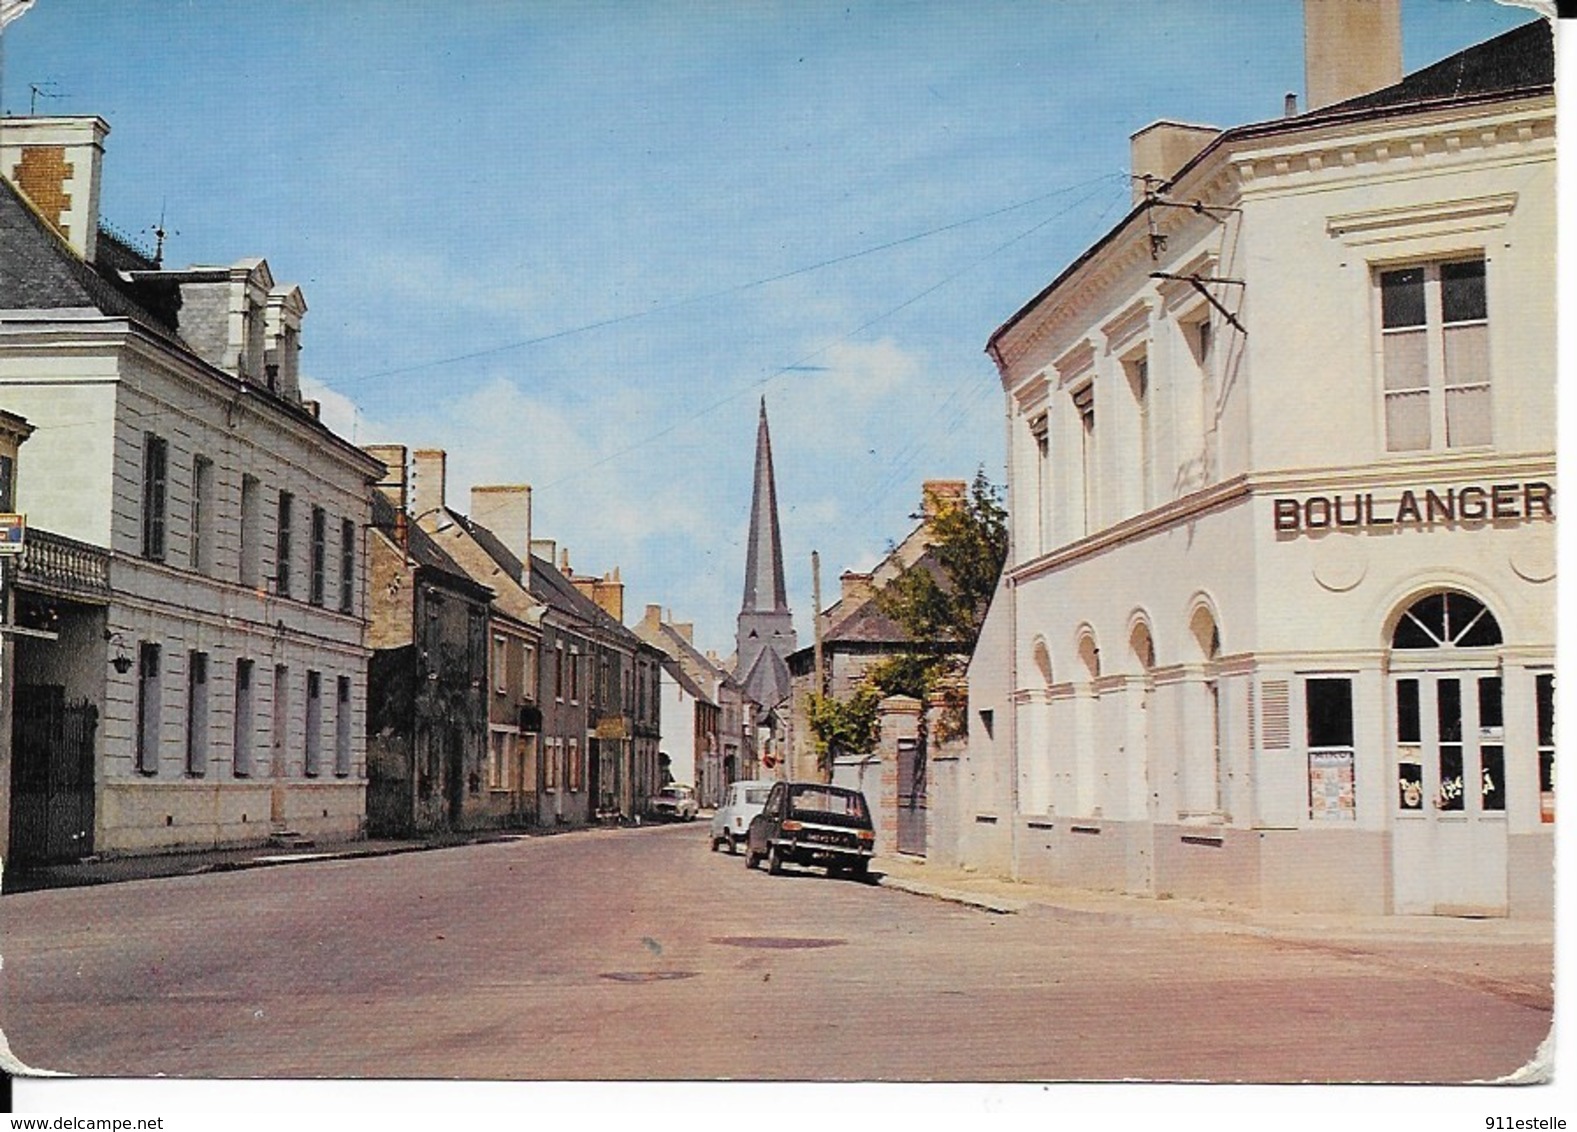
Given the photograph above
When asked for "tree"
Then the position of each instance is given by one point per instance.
(969, 541)
(941, 605)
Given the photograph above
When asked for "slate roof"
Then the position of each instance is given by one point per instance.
(39, 271)
(423, 550)
(1522, 59)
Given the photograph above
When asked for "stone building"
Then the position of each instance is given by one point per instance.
(427, 682)
(224, 656)
(1277, 624)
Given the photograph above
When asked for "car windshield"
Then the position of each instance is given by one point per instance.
(819, 799)
(756, 797)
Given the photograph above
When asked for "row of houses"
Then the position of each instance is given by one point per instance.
(227, 623)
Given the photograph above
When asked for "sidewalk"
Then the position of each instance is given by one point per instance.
(1008, 897)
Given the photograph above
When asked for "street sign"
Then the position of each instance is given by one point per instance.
(13, 533)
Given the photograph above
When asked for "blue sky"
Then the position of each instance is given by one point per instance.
(574, 243)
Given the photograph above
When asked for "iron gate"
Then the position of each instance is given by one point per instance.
(51, 775)
(911, 797)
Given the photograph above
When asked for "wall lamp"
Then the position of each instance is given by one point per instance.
(121, 661)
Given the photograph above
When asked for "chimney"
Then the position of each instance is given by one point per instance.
(564, 563)
(686, 629)
(1161, 149)
(653, 618)
(937, 495)
(609, 594)
(857, 588)
(505, 509)
(1350, 47)
(428, 468)
(55, 162)
(314, 409)
(545, 549)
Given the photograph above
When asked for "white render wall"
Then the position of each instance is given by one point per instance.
(85, 481)
(1187, 772)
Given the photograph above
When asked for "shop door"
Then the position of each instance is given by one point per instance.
(1450, 831)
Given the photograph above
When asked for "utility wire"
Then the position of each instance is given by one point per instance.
(737, 288)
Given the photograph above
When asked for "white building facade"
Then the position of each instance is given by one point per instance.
(1277, 625)
(228, 667)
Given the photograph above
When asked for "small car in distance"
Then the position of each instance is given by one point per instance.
(675, 802)
(731, 822)
(809, 823)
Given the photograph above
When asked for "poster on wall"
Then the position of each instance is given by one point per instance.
(1331, 786)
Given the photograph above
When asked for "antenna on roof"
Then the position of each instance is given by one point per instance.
(45, 89)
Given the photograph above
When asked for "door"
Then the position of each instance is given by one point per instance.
(51, 775)
(911, 797)
(1450, 830)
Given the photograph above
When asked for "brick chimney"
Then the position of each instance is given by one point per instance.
(55, 162)
(505, 509)
(935, 495)
(653, 618)
(393, 485)
(1162, 148)
(428, 469)
(546, 549)
(1350, 47)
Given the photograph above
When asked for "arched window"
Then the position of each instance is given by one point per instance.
(1143, 646)
(1448, 619)
(1043, 660)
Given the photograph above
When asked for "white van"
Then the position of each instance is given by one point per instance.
(732, 820)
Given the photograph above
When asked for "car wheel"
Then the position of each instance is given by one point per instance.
(715, 844)
(733, 846)
(751, 860)
(774, 860)
(862, 869)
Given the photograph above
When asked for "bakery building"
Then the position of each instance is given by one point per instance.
(1277, 625)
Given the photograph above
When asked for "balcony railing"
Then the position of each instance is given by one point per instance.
(62, 566)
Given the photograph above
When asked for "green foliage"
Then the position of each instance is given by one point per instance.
(843, 727)
(906, 674)
(970, 544)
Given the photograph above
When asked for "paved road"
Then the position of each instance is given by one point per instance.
(637, 954)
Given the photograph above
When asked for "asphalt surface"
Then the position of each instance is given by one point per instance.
(636, 954)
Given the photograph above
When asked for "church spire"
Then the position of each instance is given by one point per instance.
(766, 627)
(764, 590)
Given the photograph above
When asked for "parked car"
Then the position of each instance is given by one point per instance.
(731, 822)
(812, 824)
(675, 801)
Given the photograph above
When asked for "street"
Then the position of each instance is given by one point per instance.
(638, 954)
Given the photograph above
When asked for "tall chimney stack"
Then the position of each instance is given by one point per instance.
(1350, 47)
(55, 162)
(505, 509)
(428, 469)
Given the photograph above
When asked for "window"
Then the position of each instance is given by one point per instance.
(1544, 700)
(342, 765)
(7, 484)
(202, 542)
(1492, 750)
(1446, 620)
(251, 519)
(314, 723)
(1329, 719)
(1084, 405)
(241, 733)
(196, 712)
(1434, 322)
(574, 676)
(320, 550)
(558, 671)
(550, 764)
(347, 566)
(282, 545)
(155, 461)
(500, 666)
(528, 678)
(1039, 431)
(573, 771)
(148, 703)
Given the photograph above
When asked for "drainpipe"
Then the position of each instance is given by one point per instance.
(1012, 597)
